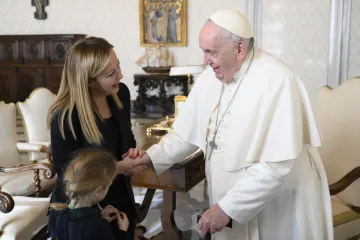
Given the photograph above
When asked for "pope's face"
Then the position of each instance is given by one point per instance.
(223, 56)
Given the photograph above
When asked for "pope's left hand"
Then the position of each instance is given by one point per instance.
(214, 220)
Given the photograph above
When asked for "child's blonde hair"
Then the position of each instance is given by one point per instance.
(90, 169)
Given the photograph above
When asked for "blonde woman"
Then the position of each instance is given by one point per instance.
(87, 180)
(93, 109)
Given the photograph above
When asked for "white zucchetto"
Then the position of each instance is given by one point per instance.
(233, 21)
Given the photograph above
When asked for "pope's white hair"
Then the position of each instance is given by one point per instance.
(235, 39)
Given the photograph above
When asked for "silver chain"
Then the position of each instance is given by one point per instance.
(217, 125)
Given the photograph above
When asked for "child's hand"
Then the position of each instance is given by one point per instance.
(109, 212)
(134, 153)
(123, 222)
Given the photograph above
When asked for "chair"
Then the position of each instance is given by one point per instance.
(33, 112)
(22, 217)
(338, 116)
(17, 183)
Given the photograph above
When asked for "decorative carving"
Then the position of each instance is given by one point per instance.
(6, 202)
(9, 51)
(32, 61)
(37, 183)
(33, 51)
(164, 101)
(49, 171)
(60, 51)
(40, 8)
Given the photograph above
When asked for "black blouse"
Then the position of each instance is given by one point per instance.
(84, 224)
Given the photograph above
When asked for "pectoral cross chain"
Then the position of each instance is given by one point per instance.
(212, 145)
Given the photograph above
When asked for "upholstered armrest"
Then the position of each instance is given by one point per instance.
(49, 171)
(32, 147)
(344, 182)
(6, 201)
(44, 143)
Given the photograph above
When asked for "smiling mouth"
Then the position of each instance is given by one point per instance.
(216, 69)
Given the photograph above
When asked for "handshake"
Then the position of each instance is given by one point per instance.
(134, 162)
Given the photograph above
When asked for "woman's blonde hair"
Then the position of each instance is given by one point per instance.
(85, 60)
(90, 169)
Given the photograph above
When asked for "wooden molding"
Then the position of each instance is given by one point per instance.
(344, 182)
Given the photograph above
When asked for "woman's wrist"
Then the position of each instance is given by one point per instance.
(120, 167)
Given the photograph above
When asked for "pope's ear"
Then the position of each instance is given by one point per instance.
(241, 49)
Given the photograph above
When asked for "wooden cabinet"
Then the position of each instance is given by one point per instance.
(31, 61)
(8, 84)
(30, 78)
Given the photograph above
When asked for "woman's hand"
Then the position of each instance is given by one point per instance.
(109, 212)
(123, 222)
(129, 166)
(134, 153)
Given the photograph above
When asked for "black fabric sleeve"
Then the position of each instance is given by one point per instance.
(124, 96)
(103, 231)
(63, 149)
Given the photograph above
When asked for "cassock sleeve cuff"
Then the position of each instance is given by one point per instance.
(157, 157)
(225, 205)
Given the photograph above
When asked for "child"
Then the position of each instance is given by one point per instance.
(87, 179)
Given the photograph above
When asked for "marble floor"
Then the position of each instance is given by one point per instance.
(188, 206)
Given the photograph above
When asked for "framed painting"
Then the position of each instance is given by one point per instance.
(163, 22)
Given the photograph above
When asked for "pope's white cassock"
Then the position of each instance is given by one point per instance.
(266, 173)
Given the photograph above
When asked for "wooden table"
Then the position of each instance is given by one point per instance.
(179, 178)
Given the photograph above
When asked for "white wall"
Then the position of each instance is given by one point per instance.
(297, 32)
(115, 20)
(354, 45)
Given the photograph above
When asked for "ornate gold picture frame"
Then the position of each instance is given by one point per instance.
(163, 22)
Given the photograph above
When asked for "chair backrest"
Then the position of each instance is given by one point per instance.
(34, 114)
(338, 115)
(9, 155)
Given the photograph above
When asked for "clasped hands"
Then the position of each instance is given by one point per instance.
(134, 162)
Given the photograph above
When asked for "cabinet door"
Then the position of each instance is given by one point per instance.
(9, 52)
(28, 80)
(8, 85)
(34, 52)
(53, 78)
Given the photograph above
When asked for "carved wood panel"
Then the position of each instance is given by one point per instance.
(9, 52)
(34, 52)
(30, 78)
(57, 49)
(31, 61)
(53, 78)
(8, 84)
